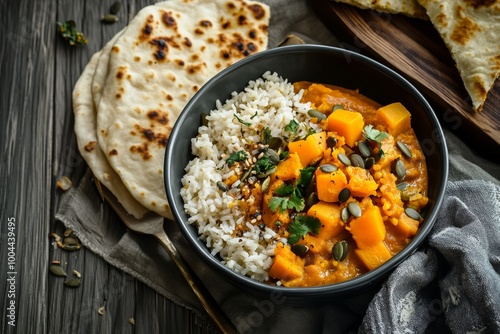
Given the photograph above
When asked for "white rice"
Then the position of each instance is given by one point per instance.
(269, 101)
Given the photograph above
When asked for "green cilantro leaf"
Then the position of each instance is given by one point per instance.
(292, 126)
(296, 202)
(300, 226)
(373, 134)
(285, 190)
(241, 121)
(263, 164)
(236, 156)
(305, 177)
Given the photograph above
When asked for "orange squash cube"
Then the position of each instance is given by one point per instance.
(374, 256)
(369, 229)
(286, 265)
(309, 149)
(289, 169)
(329, 216)
(329, 185)
(348, 124)
(395, 117)
(361, 182)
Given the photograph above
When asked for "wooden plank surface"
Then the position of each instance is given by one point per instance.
(38, 72)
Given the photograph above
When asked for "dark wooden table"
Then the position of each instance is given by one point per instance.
(37, 73)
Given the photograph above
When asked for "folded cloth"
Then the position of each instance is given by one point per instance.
(454, 282)
(409, 299)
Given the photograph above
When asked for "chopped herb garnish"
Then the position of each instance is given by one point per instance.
(263, 164)
(241, 121)
(305, 177)
(68, 31)
(254, 115)
(285, 190)
(236, 156)
(292, 126)
(291, 196)
(300, 226)
(375, 135)
(284, 203)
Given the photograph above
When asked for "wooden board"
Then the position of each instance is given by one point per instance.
(414, 49)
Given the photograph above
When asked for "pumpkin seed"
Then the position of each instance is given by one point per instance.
(265, 184)
(312, 199)
(400, 169)
(354, 209)
(339, 250)
(275, 142)
(327, 168)
(344, 159)
(345, 214)
(64, 183)
(115, 8)
(57, 270)
(337, 107)
(109, 18)
(401, 186)
(299, 249)
(70, 247)
(369, 162)
(317, 114)
(77, 274)
(357, 160)
(331, 142)
(266, 173)
(72, 282)
(344, 195)
(222, 186)
(273, 156)
(245, 175)
(364, 149)
(413, 214)
(403, 148)
(70, 241)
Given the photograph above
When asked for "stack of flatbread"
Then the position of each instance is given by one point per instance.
(470, 30)
(132, 91)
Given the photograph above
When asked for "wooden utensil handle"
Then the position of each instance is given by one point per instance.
(207, 300)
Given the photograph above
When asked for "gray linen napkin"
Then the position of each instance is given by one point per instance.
(142, 257)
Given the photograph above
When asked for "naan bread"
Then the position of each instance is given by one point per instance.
(471, 31)
(406, 7)
(167, 52)
(85, 130)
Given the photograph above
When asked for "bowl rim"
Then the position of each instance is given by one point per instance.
(355, 284)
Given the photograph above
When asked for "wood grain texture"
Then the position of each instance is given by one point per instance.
(414, 48)
(37, 146)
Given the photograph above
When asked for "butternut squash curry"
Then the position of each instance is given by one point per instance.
(347, 198)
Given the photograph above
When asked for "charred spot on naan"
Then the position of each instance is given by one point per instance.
(465, 28)
(169, 20)
(90, 146)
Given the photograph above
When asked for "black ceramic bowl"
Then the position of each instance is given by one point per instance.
(324, 65)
